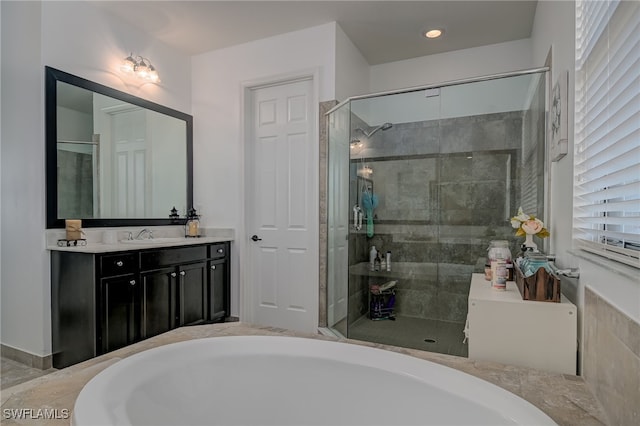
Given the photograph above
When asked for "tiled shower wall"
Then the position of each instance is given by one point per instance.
(75, 177)
(446, 189)
(611, 359)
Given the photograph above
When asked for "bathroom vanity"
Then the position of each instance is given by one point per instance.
(104, 300)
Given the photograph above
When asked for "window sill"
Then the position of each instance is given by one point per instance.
(612, 266)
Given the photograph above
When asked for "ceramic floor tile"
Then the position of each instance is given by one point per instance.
(13, 373)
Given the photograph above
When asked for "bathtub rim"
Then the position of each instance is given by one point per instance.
(89, 403)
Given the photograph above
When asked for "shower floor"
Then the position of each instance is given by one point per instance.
(416, 333)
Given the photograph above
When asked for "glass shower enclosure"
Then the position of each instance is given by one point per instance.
(429, 176)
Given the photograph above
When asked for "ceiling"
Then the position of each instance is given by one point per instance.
(384, 31)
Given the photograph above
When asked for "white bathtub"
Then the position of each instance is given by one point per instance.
(260, 380)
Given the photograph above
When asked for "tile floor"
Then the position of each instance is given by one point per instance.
(14, 373)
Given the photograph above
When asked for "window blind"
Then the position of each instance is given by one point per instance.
(607, 129)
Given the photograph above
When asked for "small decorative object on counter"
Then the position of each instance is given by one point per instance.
(499, 274)
(71, 243)
(192, 227)
(174, 214)
(528, 226)
(499, 249)
(536, 278)
(500, 262)
(73, 227)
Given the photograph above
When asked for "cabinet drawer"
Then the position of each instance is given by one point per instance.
(171, 256)
(218, 250)
(118, 264)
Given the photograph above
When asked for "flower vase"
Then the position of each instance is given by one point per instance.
(529, 244)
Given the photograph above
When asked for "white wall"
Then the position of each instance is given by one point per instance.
(25, 310)
(82, 39)
(554, 27)
(352, 69)
(218, 80)
(481, 97)
(456, 65)
(77, 38)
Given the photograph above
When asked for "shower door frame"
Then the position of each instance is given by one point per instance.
(325, 252)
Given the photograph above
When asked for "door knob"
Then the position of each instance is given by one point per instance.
(256, 238)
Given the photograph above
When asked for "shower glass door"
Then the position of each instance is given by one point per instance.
(428, 177)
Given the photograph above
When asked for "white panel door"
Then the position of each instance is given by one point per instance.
(130, 164)
(282, 207)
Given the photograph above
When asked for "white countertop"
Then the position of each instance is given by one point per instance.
(163, 237)
(481, 290)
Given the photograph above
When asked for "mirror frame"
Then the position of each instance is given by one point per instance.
(52, 76)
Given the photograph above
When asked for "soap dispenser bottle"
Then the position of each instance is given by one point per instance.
(376, 262)
(372, 257)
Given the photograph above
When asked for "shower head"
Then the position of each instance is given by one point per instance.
(385, 126)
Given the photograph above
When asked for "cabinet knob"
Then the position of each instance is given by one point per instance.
(132, 282)
(173, 274)
(182, 273)
(220, 250)
(213, 266)
(119, 263)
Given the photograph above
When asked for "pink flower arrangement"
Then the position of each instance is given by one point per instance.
(528, 225)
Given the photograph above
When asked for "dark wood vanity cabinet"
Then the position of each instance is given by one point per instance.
(119, 310)
(102, 302)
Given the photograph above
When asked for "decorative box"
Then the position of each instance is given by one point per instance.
(542, 286)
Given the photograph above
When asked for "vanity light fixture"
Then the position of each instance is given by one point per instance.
(356, 143)
(141, 67)
(433, 33)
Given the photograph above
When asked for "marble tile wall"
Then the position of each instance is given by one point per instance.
(445, 190)
(611, 359)
(323, 142)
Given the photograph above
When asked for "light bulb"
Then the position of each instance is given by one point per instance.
(142, 70)
(128, 64)
(153, 74)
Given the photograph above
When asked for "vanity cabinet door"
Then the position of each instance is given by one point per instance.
(218, 290)
(158, 302)
(120, 325)
(192, 293)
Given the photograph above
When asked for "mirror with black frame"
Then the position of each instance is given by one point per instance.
(114, 159)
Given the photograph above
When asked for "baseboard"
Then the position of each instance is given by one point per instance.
(26, 358)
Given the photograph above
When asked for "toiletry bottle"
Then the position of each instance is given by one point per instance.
(376, 262)
(372, 257)
(388, 261)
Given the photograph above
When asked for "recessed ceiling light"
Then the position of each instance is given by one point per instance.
(435, 33)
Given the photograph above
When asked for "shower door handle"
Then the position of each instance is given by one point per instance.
(256, 238)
